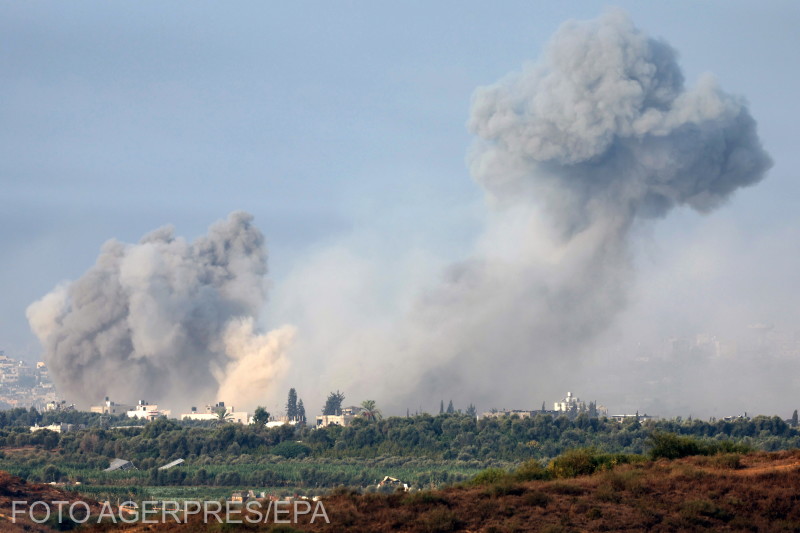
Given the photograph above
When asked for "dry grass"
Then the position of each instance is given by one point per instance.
(754, 492)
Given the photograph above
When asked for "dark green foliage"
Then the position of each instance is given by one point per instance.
(587, 461)
(490, 476)
(672, 446)
(333, 405)
(261, 416)
(574, 463)
(161, 425)
(421, 450)
(732, 461)
(531, 470)
(291, 449)
(425, 498)
(291, 405)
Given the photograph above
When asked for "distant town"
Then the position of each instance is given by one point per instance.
(23, 385)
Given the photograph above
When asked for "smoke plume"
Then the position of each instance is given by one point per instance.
(166, 320)
(604, 127)
(572, 151)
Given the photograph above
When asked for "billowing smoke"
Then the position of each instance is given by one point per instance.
(575, 152)
(604, 127)
(167, 321)
(572, 151)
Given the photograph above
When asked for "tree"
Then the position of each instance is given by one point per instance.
(794, 419)
(450, 408)
(333, 405)
(301, 412)
(472, 411)
(441, 407)
(370, 412)
(223, 415)
(291, 405)
(261, 416)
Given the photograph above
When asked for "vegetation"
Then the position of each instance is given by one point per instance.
(333, 405)
(671, 446)
(664, 495)
(260, 416)
(370, 411)
(291, 405)
(422, 450)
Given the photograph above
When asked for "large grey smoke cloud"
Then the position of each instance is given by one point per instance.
(572, 151)
(166, 320)
(605, 127)
(599, 133)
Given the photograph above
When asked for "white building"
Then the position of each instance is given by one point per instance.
(567, 403)
(111, 408)
(146, 411)
(56, 428)
(212, 412)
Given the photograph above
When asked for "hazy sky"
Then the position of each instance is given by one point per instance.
(345, 122)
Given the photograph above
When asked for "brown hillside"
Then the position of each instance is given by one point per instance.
(756, 492)
(15, 489)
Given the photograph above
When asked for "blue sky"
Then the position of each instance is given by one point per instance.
(329, 121)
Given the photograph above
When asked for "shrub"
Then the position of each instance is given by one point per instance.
(490, 476)
(587, 461)
(574, 463)
(537, 499)
(566, 489)
(439, 520)
(672, 446)
(594, 513)
(425, 498)
(696, 510)
(290, 449)
(531, 470)
(505, 489)
(731, 461)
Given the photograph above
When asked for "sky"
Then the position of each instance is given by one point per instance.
(343, 129)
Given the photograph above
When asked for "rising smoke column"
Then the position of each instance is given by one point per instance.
(572, 151)
(604, 127)
(166, 320)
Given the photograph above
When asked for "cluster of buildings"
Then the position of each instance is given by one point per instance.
(145, 410)
(58, 428)
(570, 406)
(755, 340)
(347, 415)
(218, 411)
(142, 410)
(23, 385)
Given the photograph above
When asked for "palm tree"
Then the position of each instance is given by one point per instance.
(223, 415)
(370, 412)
